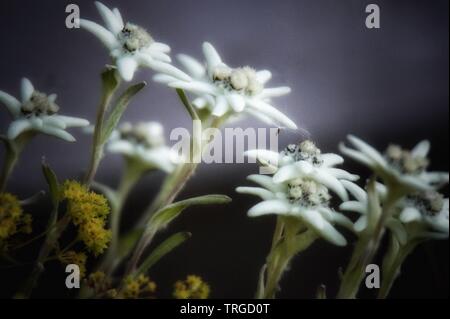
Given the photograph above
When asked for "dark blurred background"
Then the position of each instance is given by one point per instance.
(385, 85)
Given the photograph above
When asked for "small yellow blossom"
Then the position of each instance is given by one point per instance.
(88, 211)
(72, 257)
(12, 218)
(191, 288)
(140, 287)
(101, 284)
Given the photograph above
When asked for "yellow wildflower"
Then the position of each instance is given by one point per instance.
(140, 287)
(12, 218)
(88, 211)
(72, 257)
(191, 288)
(101, 284)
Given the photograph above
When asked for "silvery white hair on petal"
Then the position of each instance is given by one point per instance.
(37, 112)
(129, 45)
(227, 90)
(402, 167)
(145, 143)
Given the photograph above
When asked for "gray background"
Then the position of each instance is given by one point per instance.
(387, 85)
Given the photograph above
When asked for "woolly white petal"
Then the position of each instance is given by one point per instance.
(341, 174)
(53, 131)
(270, 207)
(323, 227)
(354, 206)
(118, 15)
(113, 23)
(221, 106)
(164, 78)
(367, 149)
(330, 159)
(266, 182)
(212, 57)
(263, 76)
(257, 191)
(286, 173)
(54, 121)
(26, 89)
(104, 35)
(72, 121)
(193, 67)
(410, 214)
(274, 92)
(158, 55)
(18, 127)
(36, 122)
(272, 112)
(421, 149)
(158, 46)
(361, 224)
(127, 66)
(236, 101)
(11, 103)
(123, 147)
(355, 190)
(160, 158)
(195, 87)
(437, 179)
(355, 155)
(264, 156)
(163, 67)
(200, 103)
(332, 183)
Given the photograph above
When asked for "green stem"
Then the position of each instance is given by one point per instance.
(13, 150)
(391, 268)
(366, 249)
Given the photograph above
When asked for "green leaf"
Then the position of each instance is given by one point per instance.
(119, 109)
(163, 249)
(110, 81)
(167, 214)
(52, 182)
(127, 242)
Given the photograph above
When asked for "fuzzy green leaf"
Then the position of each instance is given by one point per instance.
(52, 182)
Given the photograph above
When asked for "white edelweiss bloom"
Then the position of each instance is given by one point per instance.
(129, 45)
(227, 90)
(425, 215)
(144, 143)
(306, 160)
(360, 204)
(37, 112)
(302, 198)
(398, 166)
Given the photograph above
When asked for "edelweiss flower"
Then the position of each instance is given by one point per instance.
(227, 90)
(145, 143)
(398, 166)
(130, 45)
(306, 160)
(361, 206)
(302, 198)
(37, 112)
(426, 215)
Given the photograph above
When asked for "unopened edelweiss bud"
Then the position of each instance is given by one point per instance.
(239, 80)
(305, 151)
(221, 73)
(308, 192)
(40, 103)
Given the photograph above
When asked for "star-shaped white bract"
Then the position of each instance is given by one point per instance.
(129, 45)
(397, 166)
(144, 143)
(37, 112)
(306, 160)
(305, 199)
(226, 90)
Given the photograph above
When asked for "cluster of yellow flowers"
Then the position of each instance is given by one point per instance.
(140, 287)
(72, 257)
(191, 288)
(88, 211)
(132, 288)
(12, 218)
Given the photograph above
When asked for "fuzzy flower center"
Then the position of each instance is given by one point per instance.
(133, 38)
(308, 193)
(405, 161)
(148, 135)
(242, 80)
(428, 203)
(305, 151)
(39, 104)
